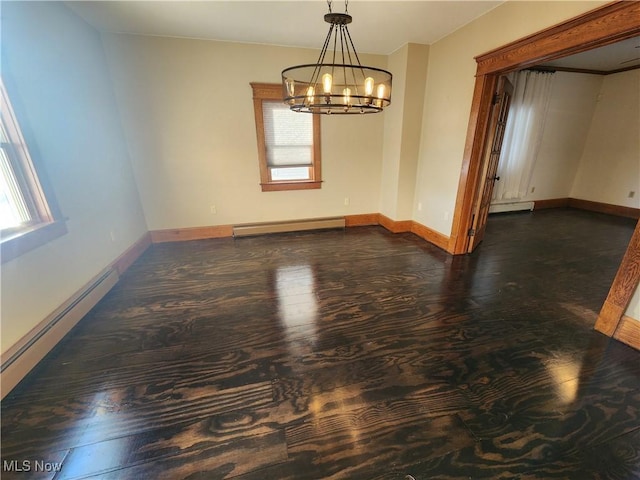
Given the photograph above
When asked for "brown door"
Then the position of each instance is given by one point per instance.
(497, 124)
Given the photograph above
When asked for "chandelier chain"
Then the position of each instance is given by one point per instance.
(346, 6)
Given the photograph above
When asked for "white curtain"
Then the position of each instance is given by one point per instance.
(523, 133)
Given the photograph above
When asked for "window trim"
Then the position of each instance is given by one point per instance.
(48, 223)
(271, 92)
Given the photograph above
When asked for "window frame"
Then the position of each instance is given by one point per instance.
(272, 92)
(46, 222)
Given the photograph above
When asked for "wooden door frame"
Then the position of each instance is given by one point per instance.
(602, 26)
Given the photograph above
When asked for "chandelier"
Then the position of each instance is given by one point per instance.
(343, 86)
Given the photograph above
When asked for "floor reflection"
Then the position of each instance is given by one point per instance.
(297, 303)
(565, 372)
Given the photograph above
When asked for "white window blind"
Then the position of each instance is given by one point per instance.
(288, 136)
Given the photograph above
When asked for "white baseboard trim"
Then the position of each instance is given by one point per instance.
(20, 358)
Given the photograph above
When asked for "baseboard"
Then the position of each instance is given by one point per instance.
(431, 236)
(194, 233)
(399, 226)
(628, 332)
(359, 220)
(362, 220)
(288, 226)
(607, 208)
(20, 359)
(25, 354)
(395, 226)
(124, 261)
(551, 203)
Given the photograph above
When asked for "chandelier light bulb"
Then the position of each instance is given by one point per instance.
(327, 81)
(346, 96)
(368, 86)
(310, 94)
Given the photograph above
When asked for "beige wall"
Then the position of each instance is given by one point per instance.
(449, 90)
(590, 147)
(610, 165)
(402, 131)
(56, 72)
(188, 115)
(573, 101)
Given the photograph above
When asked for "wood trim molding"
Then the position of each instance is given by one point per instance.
(607, 208)
(551, 203)
(623, 287)
(431, 236)
(471, 162)
(395, 226)
(282, 186)
(628, 332)
(361, 220)
(600, 207)
(193, 233)
(131, 254)
(602, 26)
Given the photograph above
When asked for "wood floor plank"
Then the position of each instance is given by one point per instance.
(355, 354)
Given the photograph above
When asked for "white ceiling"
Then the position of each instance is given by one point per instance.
(378, 26)
(624, 54)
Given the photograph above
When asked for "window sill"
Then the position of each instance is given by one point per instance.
(276, 187)
(20, 243)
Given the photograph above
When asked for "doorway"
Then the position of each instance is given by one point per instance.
(603, 26)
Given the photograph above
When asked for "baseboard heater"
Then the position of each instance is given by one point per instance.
(18, 360)
(288, 226)
(510, 207)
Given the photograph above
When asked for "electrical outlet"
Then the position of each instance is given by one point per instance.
(632, 194)
(419, 206)
(346, 201)
(112, 234)
(213, 210)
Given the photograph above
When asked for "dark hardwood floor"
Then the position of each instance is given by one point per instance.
(354, 354)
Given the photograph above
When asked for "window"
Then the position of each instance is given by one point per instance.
(27, 219)
(288, 142)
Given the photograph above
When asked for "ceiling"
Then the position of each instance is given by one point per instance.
(621, 55)
(379, 27)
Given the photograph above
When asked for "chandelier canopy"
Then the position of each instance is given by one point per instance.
(342, 86)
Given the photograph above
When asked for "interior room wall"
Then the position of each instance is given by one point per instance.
(573, 102)
(610, 165)
(402, 130)
(449, 91)
(187, 110)
(55, 67)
